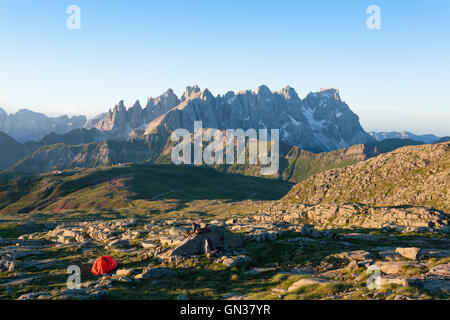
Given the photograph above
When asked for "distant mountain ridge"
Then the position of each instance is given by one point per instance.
(425, 138)
(26, 125)
(80, 148)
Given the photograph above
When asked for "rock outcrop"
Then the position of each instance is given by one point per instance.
(218, 238)
(402, 219)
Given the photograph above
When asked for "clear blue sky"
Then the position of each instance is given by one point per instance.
(395, 78)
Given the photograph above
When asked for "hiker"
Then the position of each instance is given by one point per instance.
(194, 229)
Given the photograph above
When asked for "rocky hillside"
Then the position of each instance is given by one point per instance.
(298, 164)
(412, 175)
(86, 148)
(12, 151)
(60, 156)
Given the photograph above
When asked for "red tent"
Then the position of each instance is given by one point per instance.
(103, 265)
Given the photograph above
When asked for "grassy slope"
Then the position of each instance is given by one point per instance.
(130, 186)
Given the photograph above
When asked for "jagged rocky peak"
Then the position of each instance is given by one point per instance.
(169, 94)
(135, 115)
(206, 95)
(288, 93)
(167, 99)
(190, 92)
(263, 91)
(330, 93)
(120, 106)
(136, 105)
(229, 95)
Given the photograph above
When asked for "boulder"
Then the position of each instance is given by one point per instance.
(358, 258)
(218, 238)
(309, 231)
(119, 243)
(395, 267)
(124, 272)
(389, 280)
(410, 253)
(234, 261)
(148, 244)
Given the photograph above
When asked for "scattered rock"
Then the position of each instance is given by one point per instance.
(442, 270)
(148, 244)
(305, 282)
(35, 296)
(156, 273)
(411, 253)
(234, 296)
(119, 243)
(395, 267)
(301, 271)
(124, 272)
(234, 261)
(256, 271)
(389, 280)
(309, 231)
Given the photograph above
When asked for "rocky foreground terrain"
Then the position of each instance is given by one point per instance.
(250, 256)
(252, 243)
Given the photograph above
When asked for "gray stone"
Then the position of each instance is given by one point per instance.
(156, 273)
(411, 253)
(234, 261)
(219, 238)
(119, 243)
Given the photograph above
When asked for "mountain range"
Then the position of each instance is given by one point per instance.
(26, 125)
(318, 132)
(320, 122)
